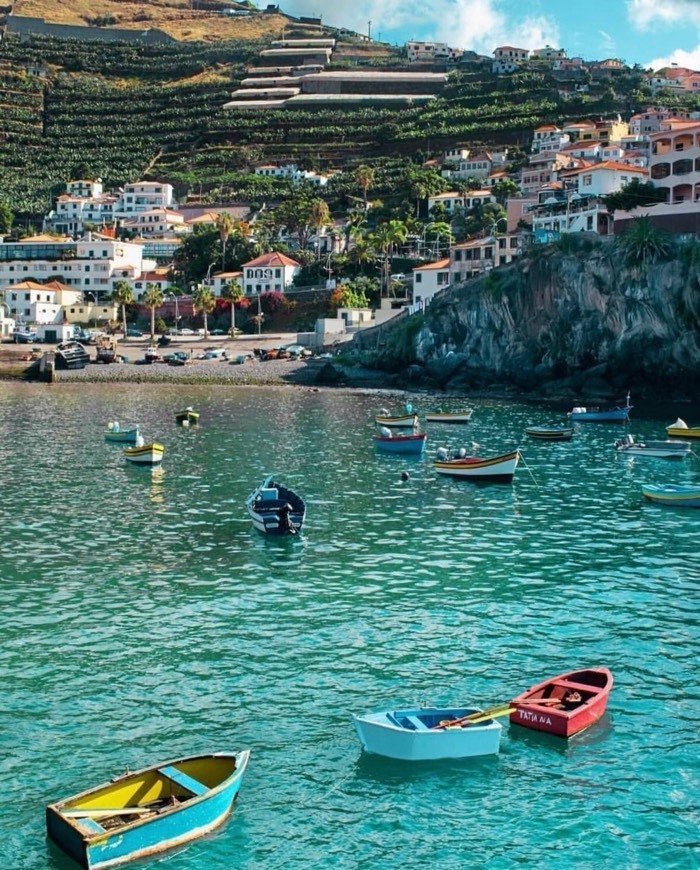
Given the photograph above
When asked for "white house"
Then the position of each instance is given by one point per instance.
(549, 137)
(223, 279)
(427, 51)
(269, 272)
(608, 177)
(675, 160)
(454, 200)
(157, 222)
(140, 196)
(89, 265)
(427, 280)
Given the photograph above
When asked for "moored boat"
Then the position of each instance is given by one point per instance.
(627, 446)
(450, 417)
(564, 705)
(431, 733)
(405, 421)
(405, 444)
(146, 812)
(71, 355)
(617, 414)
(673, 495)
(116, 435)
(144, 454)
(496, 468)
(276, 509)
(188, 417)
(551, 433)
(680, 429)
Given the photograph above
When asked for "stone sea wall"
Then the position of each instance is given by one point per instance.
(555, 324)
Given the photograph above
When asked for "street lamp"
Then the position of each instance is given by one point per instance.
(208, 279)
(494, 225)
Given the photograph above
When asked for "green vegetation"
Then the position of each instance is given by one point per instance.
(129, 110)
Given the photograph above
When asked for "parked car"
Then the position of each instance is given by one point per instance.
(218, 332)
(134, 333)
(185, 331)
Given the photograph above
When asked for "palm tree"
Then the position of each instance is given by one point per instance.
(225, 224)
(388, 235)
(364, 176)
(123, 295)
(153, 298)
(643, 244)
(204, 302)
(362, 253)
(234, 292)
(320, 217)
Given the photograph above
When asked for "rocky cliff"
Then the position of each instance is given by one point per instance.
(557, 324)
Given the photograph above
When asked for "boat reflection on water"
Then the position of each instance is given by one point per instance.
(157, 490)
(540, 740)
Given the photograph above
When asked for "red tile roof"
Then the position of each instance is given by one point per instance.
(272, 259)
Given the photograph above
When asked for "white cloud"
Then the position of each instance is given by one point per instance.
(689, 59)
(479, 25)
(644, 14)
(607, 42)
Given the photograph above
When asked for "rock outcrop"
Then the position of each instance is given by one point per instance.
(560, 325)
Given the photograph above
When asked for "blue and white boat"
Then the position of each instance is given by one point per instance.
(673, 495)
(431, 733)
(143, 813)
(408, 445)
(276, 509)
(114, 434)
(618, 414)
(628, 446)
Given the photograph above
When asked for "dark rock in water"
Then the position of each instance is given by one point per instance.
(445, 367)
(330, 376)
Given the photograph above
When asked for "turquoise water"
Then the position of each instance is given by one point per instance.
(143, 619)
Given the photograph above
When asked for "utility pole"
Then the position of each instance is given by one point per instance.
(369, 31)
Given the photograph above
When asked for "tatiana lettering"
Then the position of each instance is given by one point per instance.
(534, 717)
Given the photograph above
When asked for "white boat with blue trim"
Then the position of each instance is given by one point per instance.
(431, 733)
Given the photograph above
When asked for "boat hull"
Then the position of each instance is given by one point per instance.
(565, 434)
(148, 454)
(672, 495)
(405, 444)
(407, 421)
(95, 847)
(675, 432)
(407, 735)
(449, 418)
(564, 720)
(499, 469)
(264, 506)
(122, 436)
(655, 450)
(191, 417)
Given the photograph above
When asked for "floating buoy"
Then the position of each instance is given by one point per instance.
(404, 475)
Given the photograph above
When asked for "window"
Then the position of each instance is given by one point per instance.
(278, 273)
(682, 167)
(587, 180)
(661, 170)
(419, 277)
(27, 297)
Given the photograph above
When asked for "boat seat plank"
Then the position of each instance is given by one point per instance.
(184, 780)
(416, 722)
(581, 687)
(90, 826)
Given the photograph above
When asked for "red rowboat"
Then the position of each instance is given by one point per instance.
(566, 704)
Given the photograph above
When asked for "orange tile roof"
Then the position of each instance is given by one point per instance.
(274, 258)
(438, 264)
(612, 164)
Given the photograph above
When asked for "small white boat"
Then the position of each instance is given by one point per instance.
(496, 468)
(405, 421)
(456, 417)
(145, 454)
(627, 446)
(431, 733)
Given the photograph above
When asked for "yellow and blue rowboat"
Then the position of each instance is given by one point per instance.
(145, 454)
(405, 421)
(143, 813)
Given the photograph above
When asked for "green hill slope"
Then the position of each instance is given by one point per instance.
(129, 111)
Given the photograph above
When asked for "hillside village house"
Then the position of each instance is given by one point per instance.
(453, 200)
(428, 52)
(53, 308)
(473, 258)
(157, 222)
(549, 137)
(89, 265)
(220, 280)
(269, 272)
(507, 59)
(428, 279)
(674, 164)
(139, 196)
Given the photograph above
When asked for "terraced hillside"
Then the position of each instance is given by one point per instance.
(127, 110)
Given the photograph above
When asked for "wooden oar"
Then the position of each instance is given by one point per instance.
(543, 701)
(101, 813)
(460, 723)
(491, 713)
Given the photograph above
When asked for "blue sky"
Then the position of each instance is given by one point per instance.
(649, 32)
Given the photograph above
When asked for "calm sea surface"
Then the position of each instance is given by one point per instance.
(143, 618)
